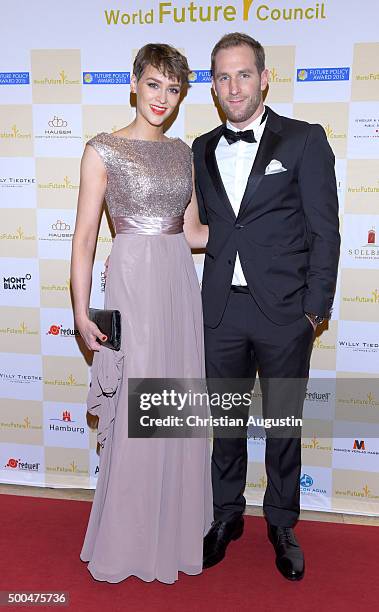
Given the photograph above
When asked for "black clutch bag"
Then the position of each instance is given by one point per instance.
(109, 323)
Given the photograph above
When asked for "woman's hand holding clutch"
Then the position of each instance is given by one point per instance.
(90, 332)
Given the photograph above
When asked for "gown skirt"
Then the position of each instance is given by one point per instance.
(153, 500)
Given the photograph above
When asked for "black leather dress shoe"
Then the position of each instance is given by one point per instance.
(289, 556)
(217, 539)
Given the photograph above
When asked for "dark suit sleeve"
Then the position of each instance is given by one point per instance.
(199, 195)
(318, 191)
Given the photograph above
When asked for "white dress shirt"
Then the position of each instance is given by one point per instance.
(234, 163)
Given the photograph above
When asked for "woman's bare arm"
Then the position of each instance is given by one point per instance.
(195, 232)
(93, 181)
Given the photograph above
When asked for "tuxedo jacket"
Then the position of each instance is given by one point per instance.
(287, 228)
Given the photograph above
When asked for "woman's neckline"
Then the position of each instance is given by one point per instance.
(169, 139)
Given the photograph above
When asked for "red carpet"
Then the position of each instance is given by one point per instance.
(41, 540)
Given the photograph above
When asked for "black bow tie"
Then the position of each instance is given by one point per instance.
(247, 136)
(231, 136)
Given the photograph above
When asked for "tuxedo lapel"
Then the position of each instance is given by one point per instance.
(270, 138)
(214, 173)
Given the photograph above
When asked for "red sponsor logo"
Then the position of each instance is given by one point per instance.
(371, 236)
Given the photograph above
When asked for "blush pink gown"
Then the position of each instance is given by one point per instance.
(153, 500)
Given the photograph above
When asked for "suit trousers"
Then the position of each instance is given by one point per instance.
(244, 343)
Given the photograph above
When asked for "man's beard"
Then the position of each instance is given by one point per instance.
(244, 114)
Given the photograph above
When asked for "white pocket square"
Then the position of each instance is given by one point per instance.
(274, 167)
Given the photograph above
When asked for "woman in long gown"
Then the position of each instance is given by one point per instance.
(153, 501)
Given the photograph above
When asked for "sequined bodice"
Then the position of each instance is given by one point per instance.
(148, 178)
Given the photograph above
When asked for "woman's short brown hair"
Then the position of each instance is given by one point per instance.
(236, 39)
(164, 58)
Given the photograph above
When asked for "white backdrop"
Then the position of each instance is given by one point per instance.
(64, 74)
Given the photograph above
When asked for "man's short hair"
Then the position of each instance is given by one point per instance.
(236, 39)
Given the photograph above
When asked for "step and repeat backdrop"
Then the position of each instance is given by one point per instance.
(64, 77)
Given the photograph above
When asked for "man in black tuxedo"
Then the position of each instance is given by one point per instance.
(266, 187)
